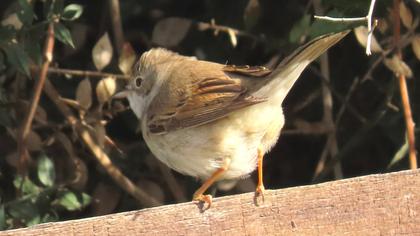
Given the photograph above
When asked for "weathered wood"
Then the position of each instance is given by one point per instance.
(385, 204)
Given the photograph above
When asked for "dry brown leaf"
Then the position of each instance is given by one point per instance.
(415, 45)
(252, 13)
(13, 159)
(232, 37)
(406, 16)
(171, 31)
(62, 138)
(22, 107)
(84, 94)
(127, 58)
(34, 142)
(80, 174)
(102, 52)
(12, 20)
(399, 67)
(105, 89)
(382, 25)
(105, 199)
(40, 115)
(361, 33)
(152, 188)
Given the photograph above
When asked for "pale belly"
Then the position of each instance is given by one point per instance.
(201, 150)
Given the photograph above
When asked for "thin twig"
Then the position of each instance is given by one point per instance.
(328, 120)
(174, 187)
(97, 151)
(368, 18)
(341, 19)
(370, 28)
(202, 26)
(85, 73)
(346, 101)
(404, 91)
(114, 8)
(27, 123)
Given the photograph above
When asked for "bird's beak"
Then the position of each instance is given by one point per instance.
(121, 94)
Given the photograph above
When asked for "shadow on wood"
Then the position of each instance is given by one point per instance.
(385, 204)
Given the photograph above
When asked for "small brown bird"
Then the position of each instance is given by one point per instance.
(210, 120)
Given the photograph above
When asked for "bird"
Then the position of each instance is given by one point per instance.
(214, 121)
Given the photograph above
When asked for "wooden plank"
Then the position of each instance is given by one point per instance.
(384, 204)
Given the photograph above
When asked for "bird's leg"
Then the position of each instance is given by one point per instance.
(260, 186)
(199, 194)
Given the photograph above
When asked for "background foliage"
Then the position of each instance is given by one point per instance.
(62, 179)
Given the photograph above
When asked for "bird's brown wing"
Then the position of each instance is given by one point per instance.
(199, 102)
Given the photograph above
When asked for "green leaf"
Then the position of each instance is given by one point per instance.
(300, 29)
(72, 12)
(17, 57)
(25, 211)
(400, 154)
(54, 9)
(50, 217)
(3, 224)
(7, 33)
(63, 34)
(34, 52)
(26, 185)
(321, 27)
(72, 201)
(46, 170)
(26, 15)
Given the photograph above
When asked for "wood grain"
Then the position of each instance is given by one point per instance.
(384, 204)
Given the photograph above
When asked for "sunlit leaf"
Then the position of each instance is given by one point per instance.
(46, 170)
(72, 12)
(415, 45)
(398, 66)
(400, 154)
(63, 34)
(105, 89)
(12, 20)
(72, 201)
(171, 31)
(232, 37)
(406, 16)
(127, 58)
(25, 185)
(361, 33)
(84, 94)
(102, 52)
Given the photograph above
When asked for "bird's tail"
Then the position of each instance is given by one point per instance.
(288, 71)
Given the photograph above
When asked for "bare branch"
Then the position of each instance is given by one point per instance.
(27, 123)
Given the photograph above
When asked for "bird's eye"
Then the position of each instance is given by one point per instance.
(138, 81)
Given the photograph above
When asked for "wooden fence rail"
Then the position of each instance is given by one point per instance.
(383, 204)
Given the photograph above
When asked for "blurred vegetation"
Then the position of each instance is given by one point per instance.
(60, 178)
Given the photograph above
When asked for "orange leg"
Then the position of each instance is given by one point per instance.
(199, 194)
(260, 186)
